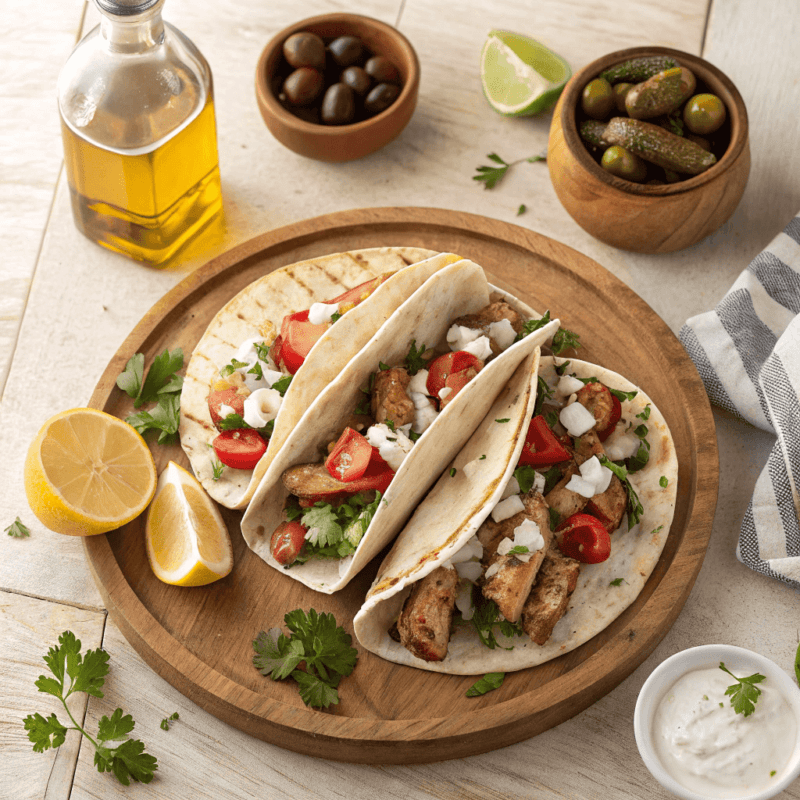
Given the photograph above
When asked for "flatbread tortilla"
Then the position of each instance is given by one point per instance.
(455, 508)
(258, 310)
(453, 291)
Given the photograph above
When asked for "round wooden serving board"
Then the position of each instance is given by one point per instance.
(200, 639)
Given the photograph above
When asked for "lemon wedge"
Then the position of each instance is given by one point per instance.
(186, 538)
(520, 76)
(88, 472)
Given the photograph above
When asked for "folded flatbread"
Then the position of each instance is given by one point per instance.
(456, 290)
(456, 507)
(258, 311)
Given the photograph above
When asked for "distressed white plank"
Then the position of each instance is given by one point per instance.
(28, 629)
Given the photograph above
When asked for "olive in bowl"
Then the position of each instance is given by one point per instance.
(370, 84)
(661, 211)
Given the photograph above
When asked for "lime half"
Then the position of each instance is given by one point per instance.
(520, 76)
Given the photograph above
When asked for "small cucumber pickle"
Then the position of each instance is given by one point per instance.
(335, 81)
(686, 128)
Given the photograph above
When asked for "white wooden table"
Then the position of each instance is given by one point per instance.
(66, 305)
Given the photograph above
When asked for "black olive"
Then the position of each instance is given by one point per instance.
(303, 86)
(338, 105)
(346, 50)
(357, 79)
(381, 70)
(304, 50)
(381, 97)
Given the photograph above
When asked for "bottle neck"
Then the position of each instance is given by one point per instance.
(133, 34)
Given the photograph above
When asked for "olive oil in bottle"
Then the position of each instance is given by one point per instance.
(137, 120)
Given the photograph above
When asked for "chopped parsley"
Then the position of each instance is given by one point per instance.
(282, 384)
(488, 683)
(642, 455)
(543, 393)
(17, 529)
(507, 419)
(623, 396)
(634, 506)
(645, 414)
(453, 472)
(486, 618)
(229, 369)
(617, 582)
(167, 720)
(744, 693)
(414, 360)
(663, 482)
(525, 478)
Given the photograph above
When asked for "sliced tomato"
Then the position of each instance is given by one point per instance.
(616, 414)
(298, 336)
(287, 542)
(377, 476)
(584, 538)
(350, 456)
(360, 292)
(542, 447)
(446, 372)
(224, 397)
(240, 449)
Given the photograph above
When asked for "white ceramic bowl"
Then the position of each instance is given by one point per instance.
(740, 662)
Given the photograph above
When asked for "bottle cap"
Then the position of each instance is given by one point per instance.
(126, 8)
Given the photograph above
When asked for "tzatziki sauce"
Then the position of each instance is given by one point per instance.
(709, 748)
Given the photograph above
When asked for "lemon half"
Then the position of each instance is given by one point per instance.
(186, 538)
(88, 472)
(520, 76)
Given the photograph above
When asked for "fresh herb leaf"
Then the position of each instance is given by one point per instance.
(229, 369)
(217, 468)
(413, 435)
(797, 664)
(744, 693)
(504, 420)
(482, 457)
(256, 370)
(642, 455)
(617, 582)
(318, 642)
(414, 360)
(551, 478)
(663, 482)
(282, 384)
(486, 617)
(167, 720)
(382, 367)
(491, 176)
(336, 316)
(453, 472)
(161, 377)
(17, 529)
(262, 351)
(525, 478)
(518, 550)
(233, 422)
(488, 683)
(74, 672)
(521, 210)
(531, 325)
(163, 417)
(334, 532)
(543, 394)
(564, 339)
(634, 507)
(555, 518)
(645, 414)
(623, 396)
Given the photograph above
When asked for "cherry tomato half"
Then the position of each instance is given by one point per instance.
(453, 371)
(350, 456)
(377, 476)
(584, 538)
(541, 448)
(287, 541)
(240, 449)
(298, 336)
(224, 397)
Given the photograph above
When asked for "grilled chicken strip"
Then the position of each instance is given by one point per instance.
(424, 623)
(609, 507)
(564, 501)
(511, 584)
(390, 400)
(595, 398)
(494, 312)
(548, 600)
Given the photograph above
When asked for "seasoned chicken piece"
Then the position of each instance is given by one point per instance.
(547, 602)
(587, 446)
(390, 400)
(424, 622)
(598, 399)
(494, 312)
(508, 579)
(564, 501)
(609, 506)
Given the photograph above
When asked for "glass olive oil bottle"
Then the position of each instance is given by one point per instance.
(140, 146)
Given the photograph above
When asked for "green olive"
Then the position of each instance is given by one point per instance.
(624, 164)
(597, 100)
(704, 113)
(620, 91)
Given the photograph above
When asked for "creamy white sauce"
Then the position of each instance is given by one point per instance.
(710, 749)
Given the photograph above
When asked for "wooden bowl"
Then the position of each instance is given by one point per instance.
(640, 217)
(339, 142)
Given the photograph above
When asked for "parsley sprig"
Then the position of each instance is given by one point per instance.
(318, 642)
(486, 618)
(490, 176)
(161, 386)
(75, 672)
(744, 693)
(17, 529)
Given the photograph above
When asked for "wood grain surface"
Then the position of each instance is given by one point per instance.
(200, 639)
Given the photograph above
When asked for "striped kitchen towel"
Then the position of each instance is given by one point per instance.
(747, 351)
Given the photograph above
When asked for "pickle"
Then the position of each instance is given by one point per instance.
(660, 94)
(591, 131)
(658, 146)
(638, 69)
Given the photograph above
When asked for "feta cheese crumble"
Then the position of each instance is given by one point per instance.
(261, 406)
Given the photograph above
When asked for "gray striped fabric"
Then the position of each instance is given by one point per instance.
(747, 351)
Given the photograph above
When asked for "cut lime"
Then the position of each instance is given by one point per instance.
(520, 76)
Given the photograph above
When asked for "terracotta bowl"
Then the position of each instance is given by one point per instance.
(640, 217)
(339, 142)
